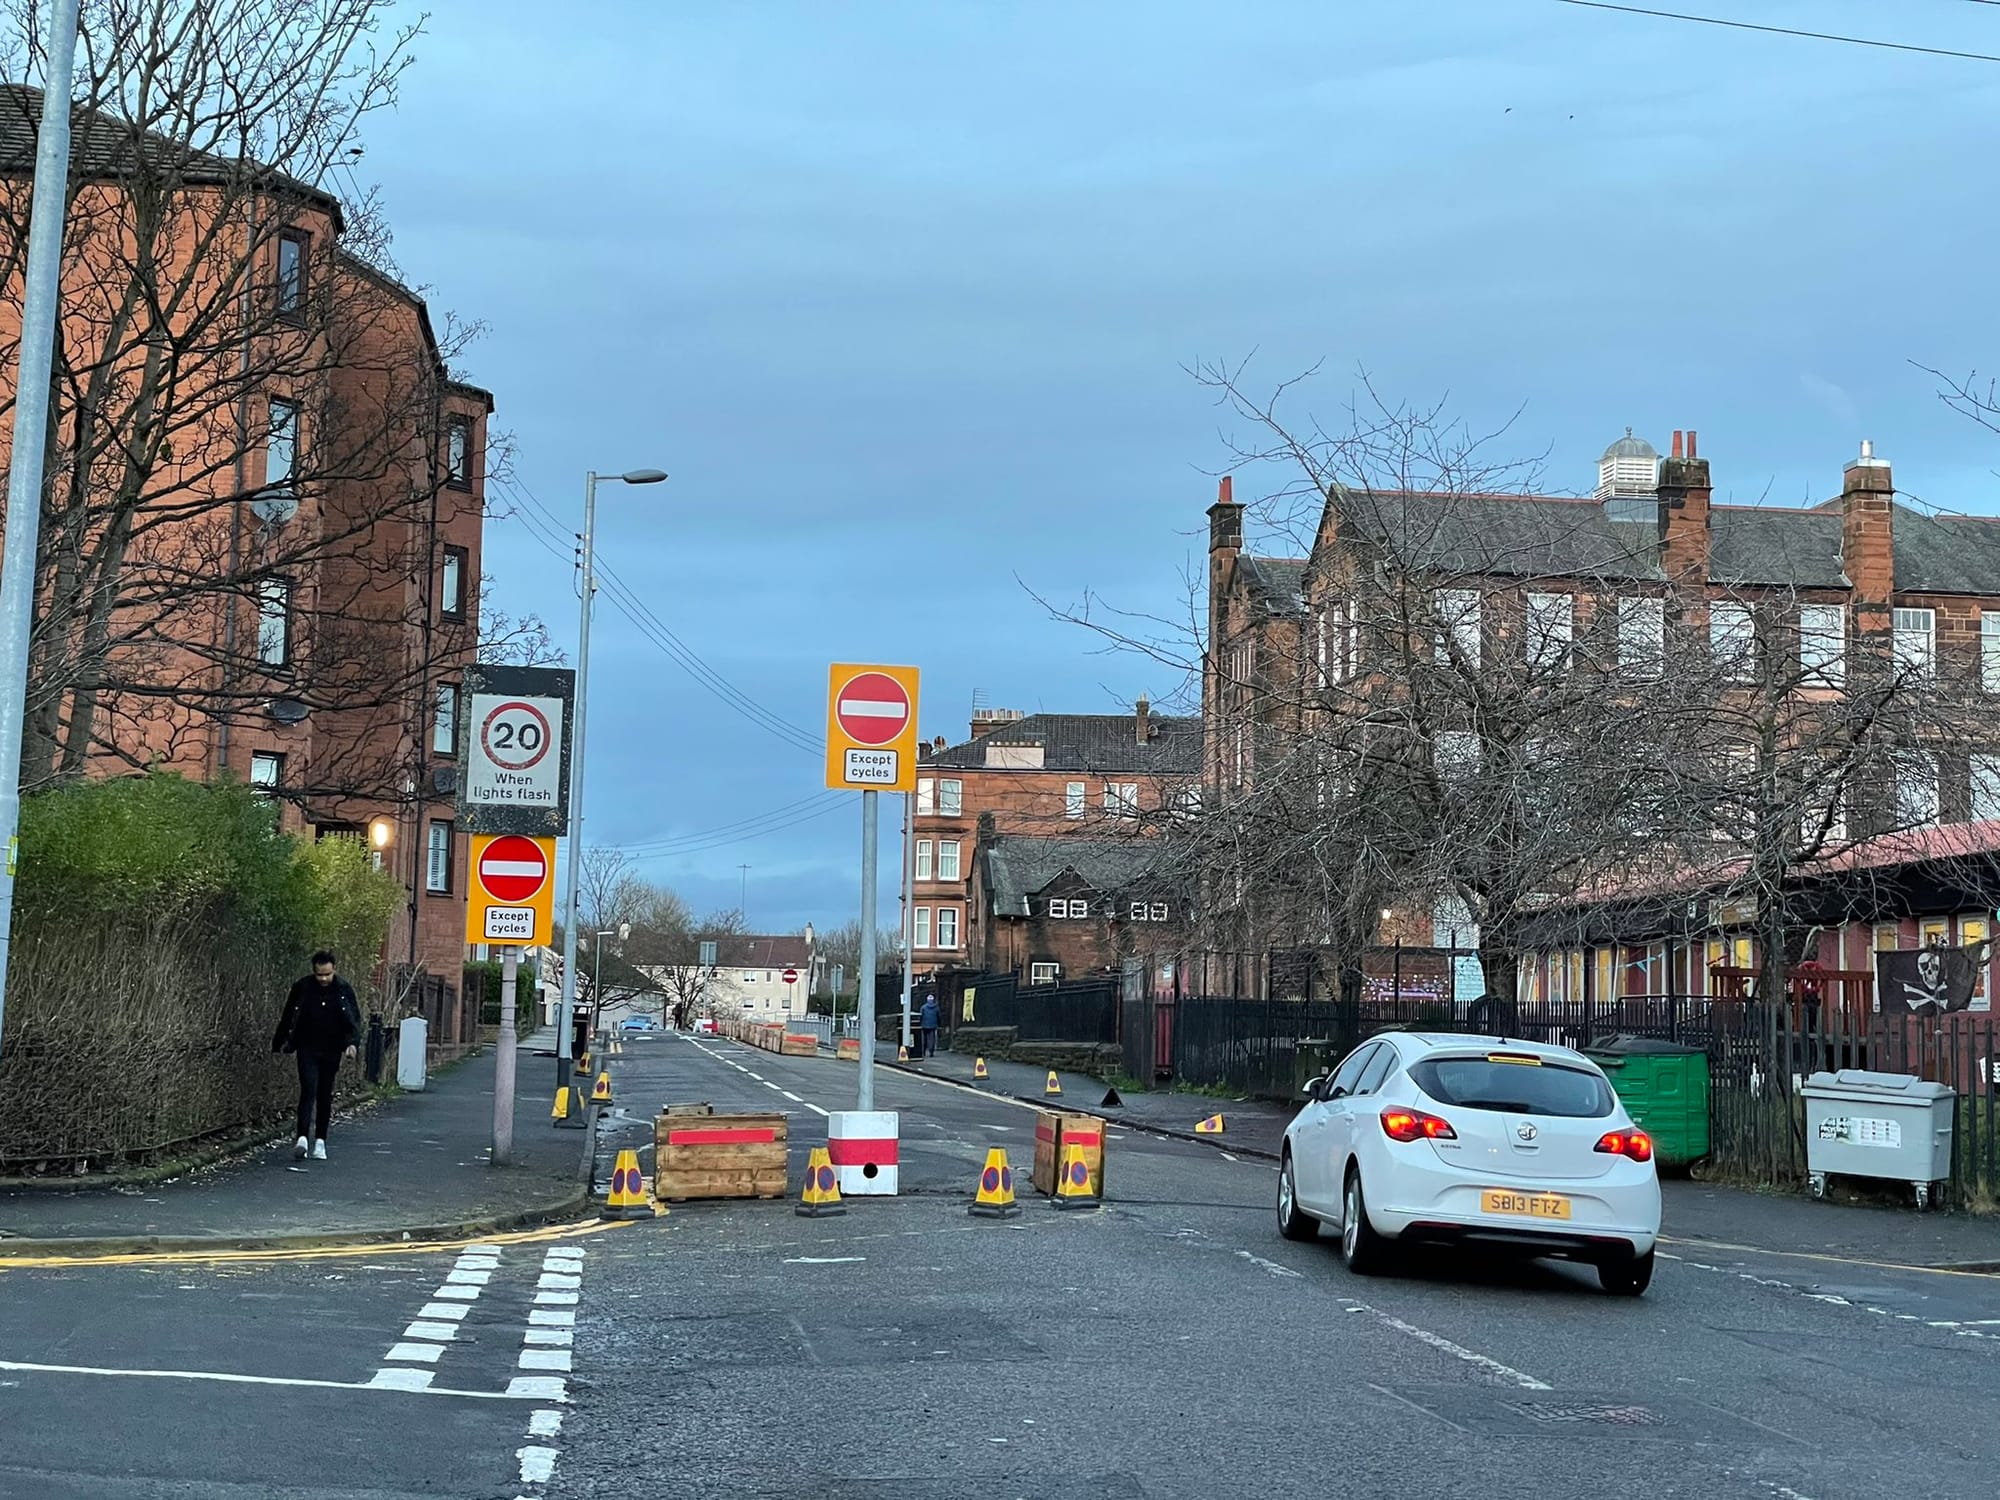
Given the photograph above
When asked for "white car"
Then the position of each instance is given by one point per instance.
(1514, 1147)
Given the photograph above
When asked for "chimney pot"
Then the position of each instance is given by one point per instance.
(1677, 442)
(1225, 490)
(1691, 450)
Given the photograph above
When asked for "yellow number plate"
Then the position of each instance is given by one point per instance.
(1527, 1205)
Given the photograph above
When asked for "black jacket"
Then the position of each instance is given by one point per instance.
(319, 1018)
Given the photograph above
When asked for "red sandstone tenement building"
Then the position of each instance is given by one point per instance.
(1093, 778)
(287, 587)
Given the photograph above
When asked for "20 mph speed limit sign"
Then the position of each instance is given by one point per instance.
(515, 750)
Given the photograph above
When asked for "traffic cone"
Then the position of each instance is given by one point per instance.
(601, 1094)
(995, 1198)
(560, 1114)
(978, 1068)
(1111, 1100)
(821, 1198)
(1054, 1088)
(583, 1065)
(628, 1190)
(1211, 1126)
(1074, 1189)
(902, 1054)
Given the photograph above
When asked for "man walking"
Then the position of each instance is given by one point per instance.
(321, 1025)
(929, 1018)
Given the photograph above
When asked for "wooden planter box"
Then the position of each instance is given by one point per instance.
(700, 1154)
(1053, 1132)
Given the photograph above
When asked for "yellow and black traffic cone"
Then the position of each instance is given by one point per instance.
(995, 1198)
(902, 1054)
(1053, 1090)
(601, 1094)
(628, 1198)
(568, 1111)
(1211, 1126)
(561, 1111)
(978, 1068)
(821, 1198)
(583, 1065)
(1074, 1187)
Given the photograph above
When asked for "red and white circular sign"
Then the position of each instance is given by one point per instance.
(513, 869)
(872, 709)
(791, 976)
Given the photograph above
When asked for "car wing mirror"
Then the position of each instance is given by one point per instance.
(1312, 1087)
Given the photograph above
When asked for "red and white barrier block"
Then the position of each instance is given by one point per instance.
(861, 1144)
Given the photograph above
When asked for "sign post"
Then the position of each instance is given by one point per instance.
(513, 796)
(871, 747)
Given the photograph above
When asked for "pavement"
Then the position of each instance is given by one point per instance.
(1167, 1346)
(416, 1164)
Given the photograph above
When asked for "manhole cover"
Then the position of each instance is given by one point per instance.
(1600, 1412)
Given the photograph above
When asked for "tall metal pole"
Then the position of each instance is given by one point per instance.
(41, 300)
(909, 904)
(579, 711)
(864, 1093)
(503, 1059)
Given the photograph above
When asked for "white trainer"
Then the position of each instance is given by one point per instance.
(300, 1147)
(319, 1150)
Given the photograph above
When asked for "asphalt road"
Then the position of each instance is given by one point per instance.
(1168, 1345)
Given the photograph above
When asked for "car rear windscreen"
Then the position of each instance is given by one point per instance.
(1519, 1088)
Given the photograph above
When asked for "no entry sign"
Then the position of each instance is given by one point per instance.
(871, 728)
(512, 892)
(791, 976)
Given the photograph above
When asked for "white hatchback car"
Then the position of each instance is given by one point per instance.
(1515, 1147)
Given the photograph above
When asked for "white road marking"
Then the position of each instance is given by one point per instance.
(453, 1312)
(550, 1317)
(458, 1293)
(426, 1354)
(558, 1281)
(544, 1359)
(791, 1096)
(1457, 1351)
(758, 1076)
(538, 1388)
(556, 1299)
(403, 1380)
(468, 1278)
(1227, 1157)
(423, 1330)
(551, 1337)
(1269, 1265)
(545, 1424)
(538, 1465)
(407, 1380)
(824, 1260)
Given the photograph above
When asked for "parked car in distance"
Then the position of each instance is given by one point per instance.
(1498, 1147)
(641, 1023)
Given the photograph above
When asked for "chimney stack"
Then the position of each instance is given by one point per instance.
(1685, 493)
(1143, 711)
(1868, 537)
(1225, 520)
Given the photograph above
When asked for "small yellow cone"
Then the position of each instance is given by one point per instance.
(1211, 1126)
(821, 1198)
(628, 1198)
(583, 1065)
(902, 1054)
(561, 1110)
(995, 1198)
(1054, 1089)
(1074, 1187)
(979, 1067)
(601, 1094)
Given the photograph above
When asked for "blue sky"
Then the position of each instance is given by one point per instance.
(901, 295)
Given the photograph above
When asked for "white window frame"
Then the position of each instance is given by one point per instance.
(1551, 630)
(1642, 637)
(1076, 799)
(923, 859)
(1043, 973)
(920, 927)
(1136, 911)
(274, 622)
(281, 443)
(458, 452)
(951, 798)
(1058, 908)
(1985, 786)
(1121, 799)
(1187, 801)
(1732, 641)
(1823, 644)
(947, 928)
(267, 769)
(926, 796)
(451, 582)
(1989, 650)
(1917, 790)
(1156, 911)
(1457, 612)
(1337, 642)
(438, 836)
(947, 859)
(1913, 641)
(444, 721)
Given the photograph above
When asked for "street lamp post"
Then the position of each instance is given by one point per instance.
(571, 897)
(597, 972)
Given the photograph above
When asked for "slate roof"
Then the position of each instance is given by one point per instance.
(1276, 583)
(102, 145)
(1018, 866)
(1758, 544)
(765, 952)
(1089, 742)
(1946, 554)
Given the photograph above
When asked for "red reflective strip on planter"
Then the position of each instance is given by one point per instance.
(849, 1153)
(720, 1137)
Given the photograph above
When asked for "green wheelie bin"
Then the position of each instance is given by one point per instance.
(1664, 1087)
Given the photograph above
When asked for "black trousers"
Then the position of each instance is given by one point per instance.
(318, 1072)
(929, 1047)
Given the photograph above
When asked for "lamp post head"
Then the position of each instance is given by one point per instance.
(643, 476)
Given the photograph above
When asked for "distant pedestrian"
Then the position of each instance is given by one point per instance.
(928, 1019)
(320, 1026)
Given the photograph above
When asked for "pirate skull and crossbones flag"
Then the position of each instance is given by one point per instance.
(1930, 980)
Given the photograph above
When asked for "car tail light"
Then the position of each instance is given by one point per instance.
(1633, 1143)
(1415, 1125)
